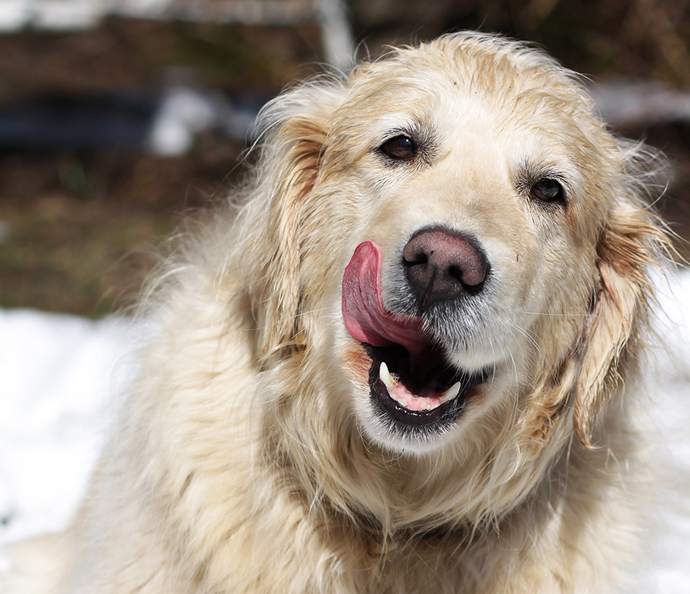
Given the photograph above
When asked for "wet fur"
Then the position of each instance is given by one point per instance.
(243, 461)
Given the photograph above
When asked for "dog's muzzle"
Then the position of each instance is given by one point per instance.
(411, 382)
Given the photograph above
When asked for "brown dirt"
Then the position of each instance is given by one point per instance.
(80, 234)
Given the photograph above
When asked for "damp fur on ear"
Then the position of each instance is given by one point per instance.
(293, 129)
(632, 241)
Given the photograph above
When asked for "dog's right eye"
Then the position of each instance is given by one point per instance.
(547, 190)
(399, 148)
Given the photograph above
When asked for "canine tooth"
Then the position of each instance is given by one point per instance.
(451, 392)
(386, 376)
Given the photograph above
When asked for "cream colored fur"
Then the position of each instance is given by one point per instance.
(246, 459)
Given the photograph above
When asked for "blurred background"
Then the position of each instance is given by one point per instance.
(117, 117)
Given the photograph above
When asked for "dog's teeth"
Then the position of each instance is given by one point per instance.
(386, 377)
(451, 392)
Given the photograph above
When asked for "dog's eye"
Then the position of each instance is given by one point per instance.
(547, 190)
(399, 148)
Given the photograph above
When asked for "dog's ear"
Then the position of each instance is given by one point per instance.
(629, 244)
(295, 128)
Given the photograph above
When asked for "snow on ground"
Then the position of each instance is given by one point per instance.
(664, 566)
(59, 375)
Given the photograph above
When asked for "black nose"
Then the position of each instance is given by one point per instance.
(442, 264)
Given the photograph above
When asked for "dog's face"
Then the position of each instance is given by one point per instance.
(469, 229)
(471, 221)
(457, 215)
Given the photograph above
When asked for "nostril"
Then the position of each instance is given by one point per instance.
(415, 257)
(471, 274)
(456, 273)
(472, 281)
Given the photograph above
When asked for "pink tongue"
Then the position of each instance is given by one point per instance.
(363, 311)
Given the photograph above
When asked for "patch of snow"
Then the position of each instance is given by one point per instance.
(67, 15)
(14, 15)
(58, 374)
(665, 414)
(183, 114)
(630, 103)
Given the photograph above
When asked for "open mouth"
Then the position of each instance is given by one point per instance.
(411, 382)
(421, 391)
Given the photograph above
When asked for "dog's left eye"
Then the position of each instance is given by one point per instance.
(547, 190)
(399, 148)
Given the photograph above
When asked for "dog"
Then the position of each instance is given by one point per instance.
(406, 362)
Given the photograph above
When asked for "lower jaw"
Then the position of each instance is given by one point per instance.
(416, 423)
(445, 414)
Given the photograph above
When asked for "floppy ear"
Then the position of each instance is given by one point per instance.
(629, 244)
(296, 125)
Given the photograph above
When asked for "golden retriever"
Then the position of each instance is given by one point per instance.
(405, 365)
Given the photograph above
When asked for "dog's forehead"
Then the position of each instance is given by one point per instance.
(494, 129)
(503, 74)
(459, 81)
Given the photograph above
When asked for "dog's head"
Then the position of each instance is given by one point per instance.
(455, 246)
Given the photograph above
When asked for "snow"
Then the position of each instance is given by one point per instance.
(665, 413)
(59, 377)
